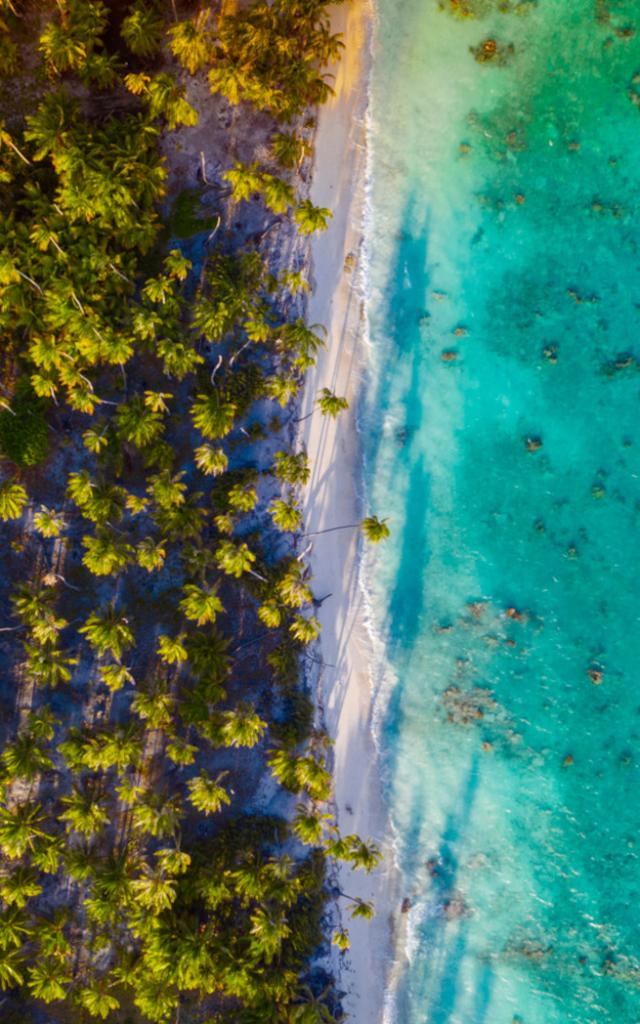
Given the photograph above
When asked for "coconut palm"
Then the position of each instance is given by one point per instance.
(167, 490)
(310, 218)
(212, 416)
(139, 423)
(291, 587)
(234, 559)
(268, 931)
(48, 665)
(191, 43)
(270, 613)
(52, 940)
(142, 29)
(20, 829)
(156, 815)
(289, 149)
(291, 467)
(286, 515)
(84, 812)
(47, 980)
(11, 969)
(242, 498)
(48, 522)
(13, 498)
(14, 928)
(108, 632)
(304, 630)
(106, 553)
(210, 460)
(278, 194)
(115, 676)
(19, 887)
(241, 727)
(118, 748)
(200, 604)
(155, 708)
(97, 999)
(154, 890)
(375, 529)
(181, 752)
(244, 179)
(206, 793)
(25, 758)
(172, 649)
(151, 554)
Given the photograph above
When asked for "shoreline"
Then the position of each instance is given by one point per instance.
(344, 682)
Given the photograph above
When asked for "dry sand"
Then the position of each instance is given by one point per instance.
(332, 499)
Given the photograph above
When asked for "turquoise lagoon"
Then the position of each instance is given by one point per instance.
(501, 425)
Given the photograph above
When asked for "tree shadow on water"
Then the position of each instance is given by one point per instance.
(444, 941)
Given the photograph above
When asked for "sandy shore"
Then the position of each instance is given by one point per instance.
(332, 499)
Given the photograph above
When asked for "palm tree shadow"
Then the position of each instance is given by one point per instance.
(444, 956)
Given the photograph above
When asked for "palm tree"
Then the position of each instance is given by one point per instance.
(142, 29)
(286, 515)
(115, 676)
(210, 460)
(48, 665)
(270, 613)
(20, 829)
(244, 179)
(52, 940)
(151, 554)
(97, 1000)
(14, 929)
(106, 553)
(167, 490)
(108, 633)
(154, 890)
(190, 42)
(310, 218)
(292, 467)
(375, 529)
(139, 423)
(289, 149)
(156, 815)
(181, 752)
(206, 793)
(268, 933)
(304, 630)
(330, 405)
(292, 588)
(155, 707)
(19, 887)
(24, 759)
(242, 498)
(212, 416)
(172, 649)
(47, 980)
(48, 522)
(11, 973)
(234, 559)
(241, 727)
(308, 825)
(201, 605)
(13, 498)
(84, 812)
(278, 194)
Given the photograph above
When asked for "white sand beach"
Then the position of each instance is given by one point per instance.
(332, 499)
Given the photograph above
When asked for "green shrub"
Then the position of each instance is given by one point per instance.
(24, 435)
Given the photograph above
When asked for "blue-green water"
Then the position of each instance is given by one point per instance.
(504, 232)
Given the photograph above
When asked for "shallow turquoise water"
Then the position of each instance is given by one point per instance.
(504, 231)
